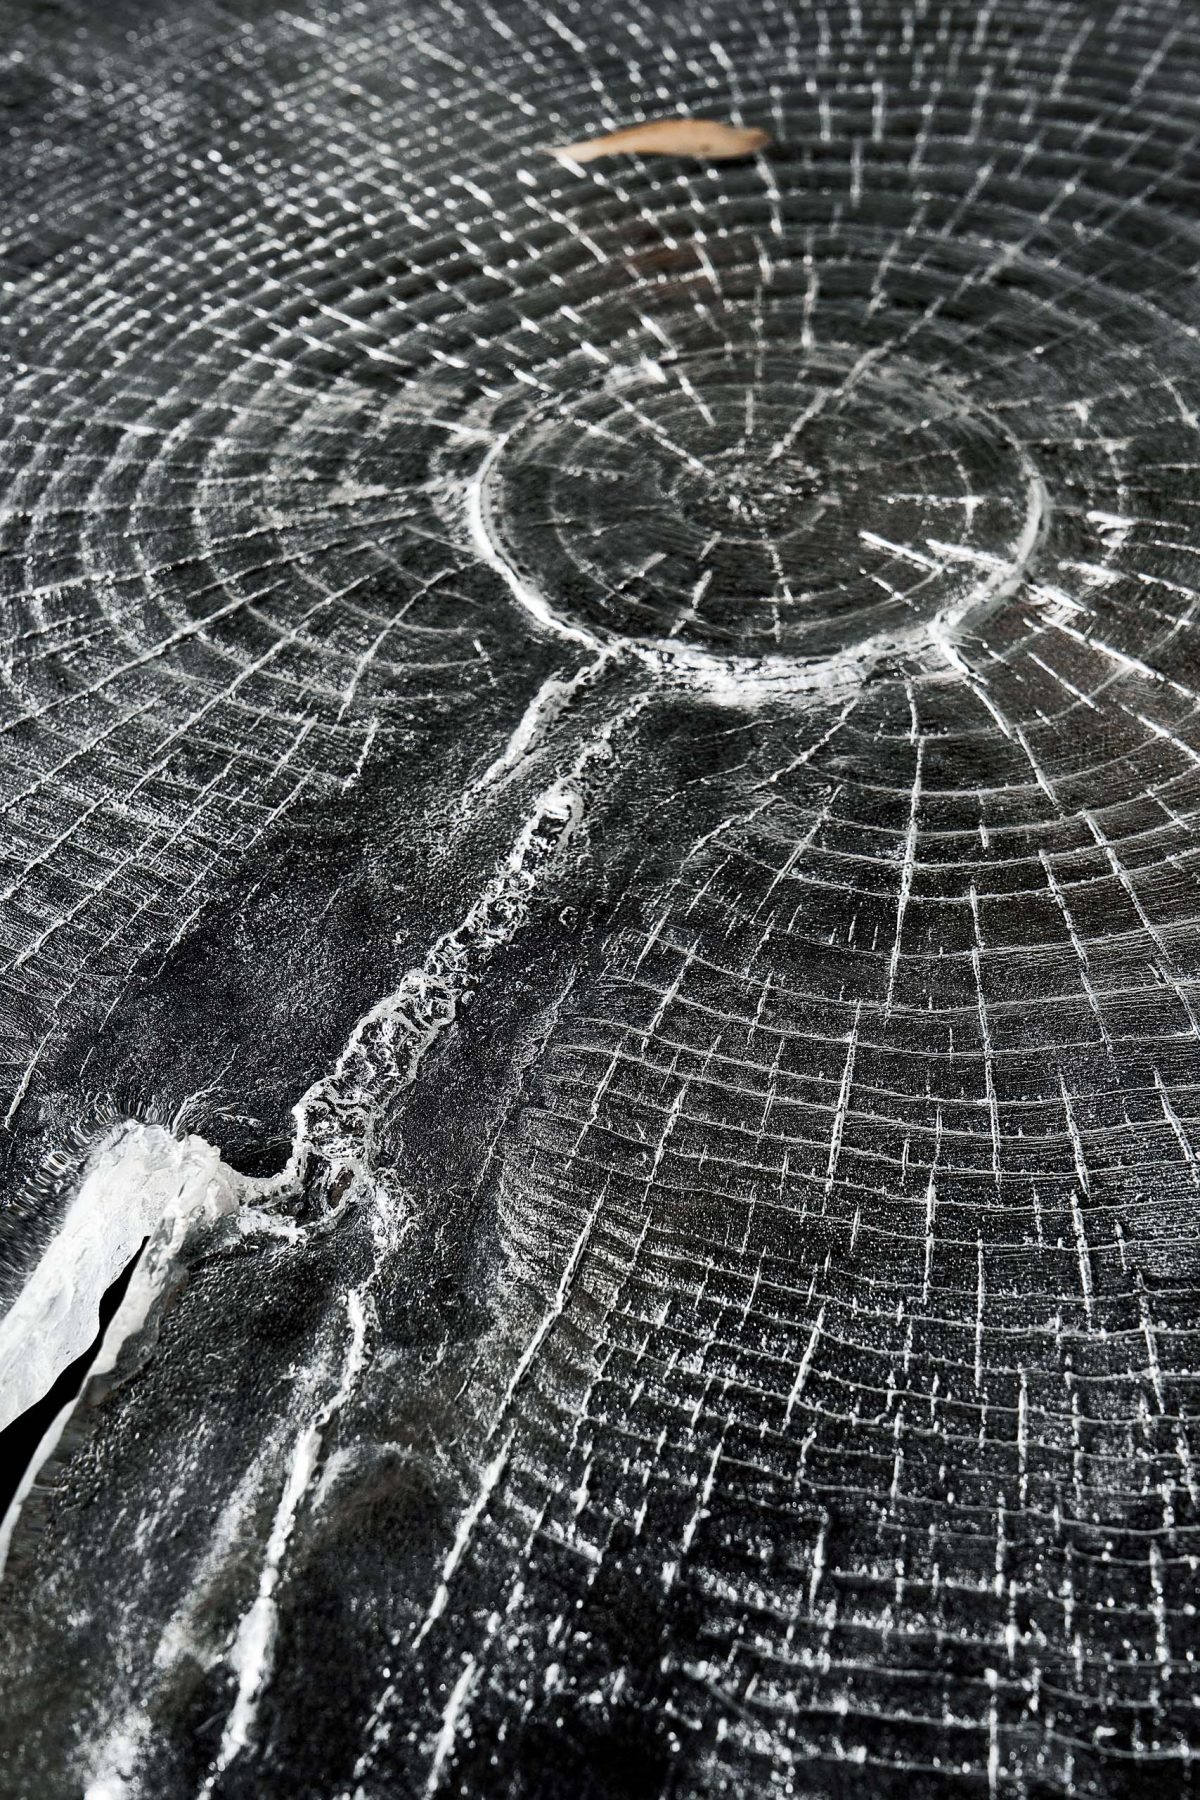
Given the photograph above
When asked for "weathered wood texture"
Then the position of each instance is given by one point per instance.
(655, 705)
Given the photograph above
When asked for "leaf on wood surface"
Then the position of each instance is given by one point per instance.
(708, 138)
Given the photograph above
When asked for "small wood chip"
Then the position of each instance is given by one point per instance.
(707, 138)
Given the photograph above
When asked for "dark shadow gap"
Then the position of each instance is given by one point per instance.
(19, 1441)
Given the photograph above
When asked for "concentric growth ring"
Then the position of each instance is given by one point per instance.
(784, 505)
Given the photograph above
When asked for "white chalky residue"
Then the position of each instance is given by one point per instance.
(254, 1643)
(141, 1182)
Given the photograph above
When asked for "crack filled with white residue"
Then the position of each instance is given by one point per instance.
(253, 1646)
(142, 1180)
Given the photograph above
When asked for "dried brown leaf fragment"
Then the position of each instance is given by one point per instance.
(710, 139)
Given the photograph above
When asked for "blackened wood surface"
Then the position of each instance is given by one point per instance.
(663, 698)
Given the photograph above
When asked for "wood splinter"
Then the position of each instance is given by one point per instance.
(706, 138)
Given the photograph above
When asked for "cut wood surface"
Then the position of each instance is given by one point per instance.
(600, 901)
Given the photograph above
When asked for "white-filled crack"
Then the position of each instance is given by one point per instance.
(144, 1182)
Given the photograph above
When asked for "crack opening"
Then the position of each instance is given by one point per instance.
(20, 1440)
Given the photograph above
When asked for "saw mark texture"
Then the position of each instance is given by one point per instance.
(619, 745)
